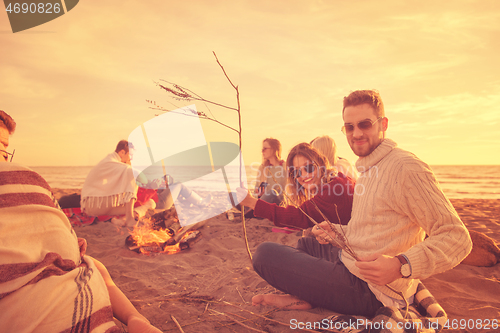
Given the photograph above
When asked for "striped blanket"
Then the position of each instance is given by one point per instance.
(424, 315)
(47, 284)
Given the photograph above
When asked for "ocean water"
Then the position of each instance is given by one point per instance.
(74, 177)
(469, 181)
(457, 182)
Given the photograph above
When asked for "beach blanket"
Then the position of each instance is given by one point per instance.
(47, 283)
(78, 218)
(110, 183)
(425, 315)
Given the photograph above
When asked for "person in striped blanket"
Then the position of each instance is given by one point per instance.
(47, 283)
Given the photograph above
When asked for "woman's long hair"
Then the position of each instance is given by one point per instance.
(276, 147)
(326, 145)
(294, 190)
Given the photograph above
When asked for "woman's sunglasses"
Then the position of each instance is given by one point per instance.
(6, 155)
(297, 172)
(364, 125)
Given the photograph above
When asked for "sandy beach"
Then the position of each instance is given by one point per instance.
(209, 287)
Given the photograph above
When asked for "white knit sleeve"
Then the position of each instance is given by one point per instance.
(422, 199)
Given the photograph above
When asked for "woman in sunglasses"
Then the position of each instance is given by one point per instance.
(311, 183)
(271, 175)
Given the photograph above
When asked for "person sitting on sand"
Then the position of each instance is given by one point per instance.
(7, 127)
(48, 284)
(326, 145)
(397, 203)
(271, 176)
(168, 190)
(311, 183)
(111, 189)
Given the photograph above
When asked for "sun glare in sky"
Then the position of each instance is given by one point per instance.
(80, 83)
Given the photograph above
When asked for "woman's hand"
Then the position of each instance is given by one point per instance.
(245, 198)
(321, 236)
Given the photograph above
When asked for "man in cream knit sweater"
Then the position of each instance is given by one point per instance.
(397, 202)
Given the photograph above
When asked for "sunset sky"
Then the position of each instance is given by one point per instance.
(79, 84)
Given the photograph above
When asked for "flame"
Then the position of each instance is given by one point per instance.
(150, 240)
(143, 236)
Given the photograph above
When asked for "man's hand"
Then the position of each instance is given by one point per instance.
(379, 269)
(320, 235)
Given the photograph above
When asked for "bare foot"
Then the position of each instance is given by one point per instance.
(281, 301)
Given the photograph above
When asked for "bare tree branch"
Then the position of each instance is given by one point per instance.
(183, 94)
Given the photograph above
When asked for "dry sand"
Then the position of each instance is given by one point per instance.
(209, 287)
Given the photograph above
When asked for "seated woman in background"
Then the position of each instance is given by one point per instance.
(311, 182)
(271, 175)
(326, 145)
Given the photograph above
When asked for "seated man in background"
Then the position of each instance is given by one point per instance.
(47, 283)
(110, 187)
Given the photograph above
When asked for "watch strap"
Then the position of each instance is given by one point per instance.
(405, 266)
(402, 259)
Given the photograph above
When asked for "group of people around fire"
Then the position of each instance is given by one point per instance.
(375, 229)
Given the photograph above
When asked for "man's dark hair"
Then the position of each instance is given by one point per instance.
(370, 97)
(124, 145)
(7, 122)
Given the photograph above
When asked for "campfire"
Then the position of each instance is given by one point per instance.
(160, 233)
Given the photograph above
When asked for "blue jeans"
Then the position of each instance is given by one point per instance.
(314, 273)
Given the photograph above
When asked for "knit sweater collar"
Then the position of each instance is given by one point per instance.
(385, 147)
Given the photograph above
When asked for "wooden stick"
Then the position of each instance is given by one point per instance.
(241, 295)
(177, 323)
(206, 307)
(242, 309)
(195, 226)
(269, 319)
(245, 233)
(239, 323)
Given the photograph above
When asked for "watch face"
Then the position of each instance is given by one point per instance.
(405, 270)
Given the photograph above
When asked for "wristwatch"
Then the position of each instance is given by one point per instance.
(405, 269)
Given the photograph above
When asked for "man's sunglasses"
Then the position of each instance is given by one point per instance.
(6, 155)
(297, 172)
(364, 125)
